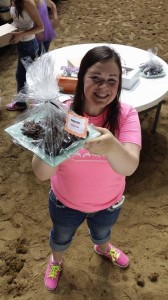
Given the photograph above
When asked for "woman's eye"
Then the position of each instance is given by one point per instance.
(111, 81)
(95, 78)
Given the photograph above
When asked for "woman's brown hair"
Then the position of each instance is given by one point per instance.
(19, 6)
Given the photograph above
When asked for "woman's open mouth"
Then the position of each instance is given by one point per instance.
(101, 95)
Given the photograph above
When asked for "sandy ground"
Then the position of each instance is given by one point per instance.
(142, 228)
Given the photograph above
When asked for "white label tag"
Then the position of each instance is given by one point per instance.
(76, 125)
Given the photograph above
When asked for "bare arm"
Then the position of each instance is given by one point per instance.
(123, 158)
(54, 17)
(31, 8)
(42, 170)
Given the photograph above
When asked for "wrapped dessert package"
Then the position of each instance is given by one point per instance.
(49, 128)
(152, 68)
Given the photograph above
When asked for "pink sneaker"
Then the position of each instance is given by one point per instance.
(52, 274)
(115, 255)
(14, 106)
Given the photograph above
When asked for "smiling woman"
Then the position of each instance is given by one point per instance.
(76, 193)
(141, 229)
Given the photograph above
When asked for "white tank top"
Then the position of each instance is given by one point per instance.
(22, 23)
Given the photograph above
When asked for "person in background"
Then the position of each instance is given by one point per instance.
(90, 184)
(44, 38)
(28, 22)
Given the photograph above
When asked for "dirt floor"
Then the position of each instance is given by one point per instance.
(142, 228)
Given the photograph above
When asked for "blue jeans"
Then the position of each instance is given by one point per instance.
(66, 221)
(25, 49)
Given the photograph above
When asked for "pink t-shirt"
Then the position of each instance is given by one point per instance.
(86, 182)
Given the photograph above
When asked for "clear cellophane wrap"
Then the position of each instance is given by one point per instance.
(41, 127)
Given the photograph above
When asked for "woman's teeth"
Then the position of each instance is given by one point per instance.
(101, 95)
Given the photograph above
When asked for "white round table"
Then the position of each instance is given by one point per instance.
(145, 95)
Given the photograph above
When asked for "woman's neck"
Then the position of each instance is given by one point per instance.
(94, 111)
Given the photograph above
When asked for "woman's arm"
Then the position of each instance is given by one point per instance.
(42, 170)
(123, 158)
(31, 8)
(54, 15)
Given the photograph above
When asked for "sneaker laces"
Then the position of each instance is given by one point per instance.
(114, 254)
(53, 272)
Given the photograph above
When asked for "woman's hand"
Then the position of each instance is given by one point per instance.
(39, 36)
(16, 37)
(101, 145)
(123, 157)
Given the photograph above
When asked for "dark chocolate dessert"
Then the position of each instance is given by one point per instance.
(49, 135)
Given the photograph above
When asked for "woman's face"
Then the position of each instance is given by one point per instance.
(101, 83)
